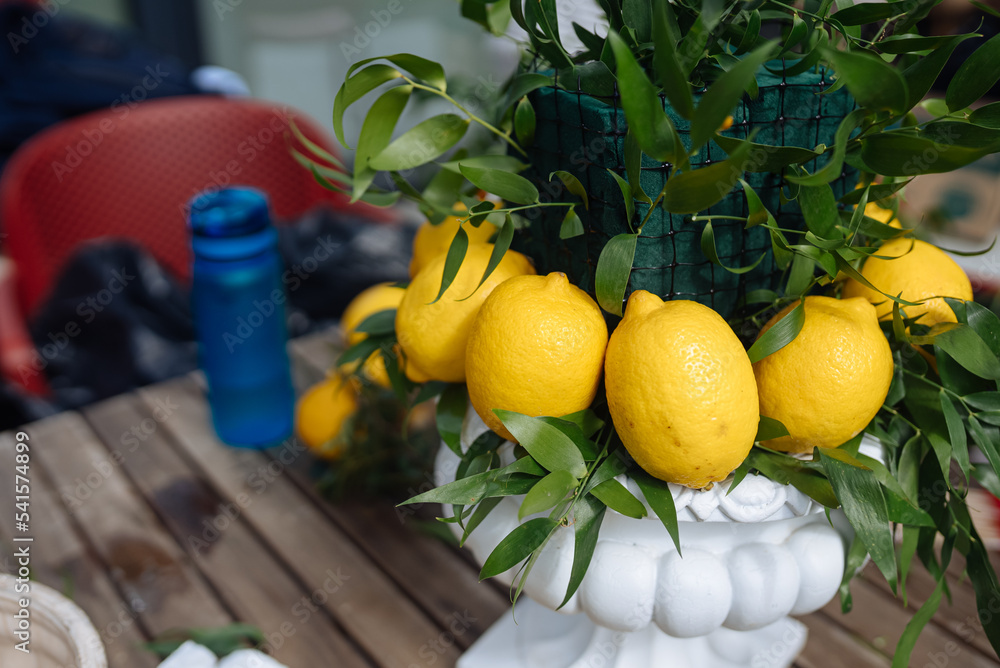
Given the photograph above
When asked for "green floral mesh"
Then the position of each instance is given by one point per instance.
(585, 136)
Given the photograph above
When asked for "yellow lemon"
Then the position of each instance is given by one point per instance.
(887, 216)
(681, 390)
(434, 335)
(433, 240)
(321, 414)
(536, 347)
(829, 382)
(919, 272)
(370, 301)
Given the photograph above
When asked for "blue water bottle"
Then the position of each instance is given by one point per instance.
(239, 312)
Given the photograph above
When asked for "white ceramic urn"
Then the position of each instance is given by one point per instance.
(750, 560)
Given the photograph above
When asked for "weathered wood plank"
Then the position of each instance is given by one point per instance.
(830, 646)
(212, 530)
(148, 567)
(375, 612)
(960, 617)
(435, 575)
(880, 621)
(62, 561)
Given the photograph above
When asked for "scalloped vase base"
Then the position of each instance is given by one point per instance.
(541, 638)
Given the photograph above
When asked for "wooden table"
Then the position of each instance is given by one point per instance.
(151, 524)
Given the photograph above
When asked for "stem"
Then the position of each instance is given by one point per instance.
(892, 410)
(697, 219)
(472, 117)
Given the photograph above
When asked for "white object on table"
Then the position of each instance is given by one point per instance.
(249, 658)
(191, 655)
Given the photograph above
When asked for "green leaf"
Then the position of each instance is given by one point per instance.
(571, 226)
(451, 410)
(453, 261)
(506, 163)
(710, 251)
(985, 401)
(518, 546)
(473, 489)
(422, 143)
(984, 581)
(572, 184)
(956, 433)
(987, 115)
(758, 214)
(668, 66)
(985, 322)
(642, 106)
(765, 158)
(976, 76)
(921, 75)
(877, 193)
(906, 153)
(832, 169)
(627, 195)
(911, 43)
(769, 428)
(375, 134)
(724, 94)
(380, 322)
(633, 167)
(613, 269)
(588, 513)
(315, 148)
(904, 648)
(855, 560)
(586, 420)
(356, 87)
(637, 15)
(549, 446)
(986, 444)
(509, 186)
(779, 335)
(659, 498)
(524, 122)
(819, 206)
(361, 350)
(619, 499)
(426, 70)
(875, 84)
(500, 248)
(525, 83)
(698, 189)
(548, 492)
(572, 425)
(863, 502)
(969, 350)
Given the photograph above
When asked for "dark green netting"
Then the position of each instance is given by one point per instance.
(585, 136)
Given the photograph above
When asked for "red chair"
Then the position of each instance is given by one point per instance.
(129, 172)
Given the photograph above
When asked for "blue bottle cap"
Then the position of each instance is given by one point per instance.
(231, 224)
(230, 212)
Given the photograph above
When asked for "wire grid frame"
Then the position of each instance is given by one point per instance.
(584, 134)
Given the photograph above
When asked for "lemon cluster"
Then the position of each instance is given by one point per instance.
(682, 392)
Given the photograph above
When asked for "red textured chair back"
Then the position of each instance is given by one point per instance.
(129, 173)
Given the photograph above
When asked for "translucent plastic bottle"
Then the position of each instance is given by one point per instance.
(239, 310)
